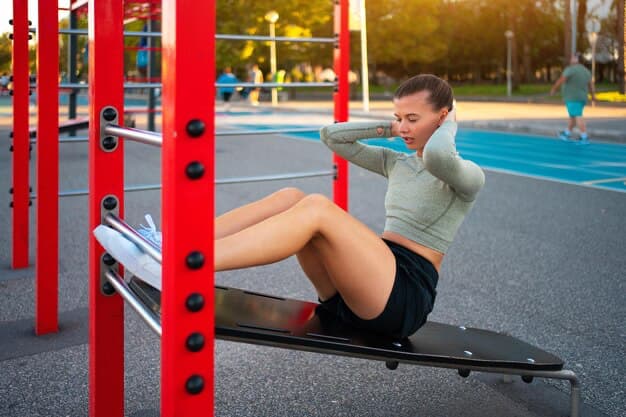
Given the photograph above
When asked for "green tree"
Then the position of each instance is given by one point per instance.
(620, 5)
(6, 46)
(403, 37)
(297, 18)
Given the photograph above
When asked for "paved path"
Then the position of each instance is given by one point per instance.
(604, 122)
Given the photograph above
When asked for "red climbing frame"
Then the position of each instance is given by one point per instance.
(187, 200)
(188, 206)
(21, 140)
(106, 178)
(47, 252)
(341, 96)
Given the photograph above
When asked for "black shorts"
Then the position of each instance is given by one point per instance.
(411, 300)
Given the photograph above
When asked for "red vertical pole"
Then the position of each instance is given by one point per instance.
(47, 252)
(187, 342)
(341, 96)
(21, 140)
(106, 193)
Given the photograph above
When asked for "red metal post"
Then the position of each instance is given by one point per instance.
(21, 140)
(106, 179)
(188, 207)
(341, 96)
(47, 252)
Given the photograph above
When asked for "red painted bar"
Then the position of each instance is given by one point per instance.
(341, 97)
(188, 207)
(106, 177)
(21, 141)
(47, 252)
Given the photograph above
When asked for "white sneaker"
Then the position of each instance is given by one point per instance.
(150, 232)
(129, 255)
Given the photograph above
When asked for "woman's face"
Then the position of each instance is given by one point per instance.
(417, 119)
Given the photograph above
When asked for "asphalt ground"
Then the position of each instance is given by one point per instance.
(542, 261)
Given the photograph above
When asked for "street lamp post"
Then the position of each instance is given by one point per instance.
(509, 40)
(272, 17)
(574, 14)
(593, 28)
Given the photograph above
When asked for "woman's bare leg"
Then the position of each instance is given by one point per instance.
(358, 263)
(581, 124)
(257, 211)
(245, 216)
(312, 264)
(571, 124)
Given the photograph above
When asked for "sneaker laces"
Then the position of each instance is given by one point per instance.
(150, 232)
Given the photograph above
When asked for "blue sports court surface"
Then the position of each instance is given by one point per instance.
(600, 165)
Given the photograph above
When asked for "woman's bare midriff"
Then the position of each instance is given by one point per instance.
(432, 255)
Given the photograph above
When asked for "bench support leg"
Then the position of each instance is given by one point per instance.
(574, 387)
(563, 374)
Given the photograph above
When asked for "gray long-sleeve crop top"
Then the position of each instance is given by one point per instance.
(427, 198)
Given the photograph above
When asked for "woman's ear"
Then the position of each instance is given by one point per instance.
(442, 116)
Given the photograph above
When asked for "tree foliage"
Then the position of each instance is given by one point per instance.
(5, 53)
(462, 40)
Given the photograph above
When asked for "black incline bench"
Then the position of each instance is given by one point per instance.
(251, 317)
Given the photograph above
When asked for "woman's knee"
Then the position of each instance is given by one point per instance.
(290, 194)
(319, 206)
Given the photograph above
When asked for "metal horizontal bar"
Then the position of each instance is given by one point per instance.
(218, 85)
(272, 38)
(79, 192)
(132, 235)
(155, 138)
(129, 296)
(126, 33)
(267, 131)
(276, 85)
(74, 139)
(126, 85)
(277, 177)
(218, 133)
(137, 135)
(144, 187)
(68, 140)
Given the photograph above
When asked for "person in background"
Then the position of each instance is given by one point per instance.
(255, 76)
(226, 92)
(4, 83)
(575, 83)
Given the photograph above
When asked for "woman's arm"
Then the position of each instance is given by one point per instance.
(443, 161)
(342, 138)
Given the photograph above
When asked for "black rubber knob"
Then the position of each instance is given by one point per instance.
(194, 384)
(195, 260)
(109, 203)
(195, 128)
(108, 259)
(109, 143)
(109, 114)
(195, 170)
(195, 342)
(195, 302)
(108, 289)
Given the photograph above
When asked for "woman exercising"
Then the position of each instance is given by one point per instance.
(384, 284)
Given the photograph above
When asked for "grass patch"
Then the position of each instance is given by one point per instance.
(500, 90)
(611, 97)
